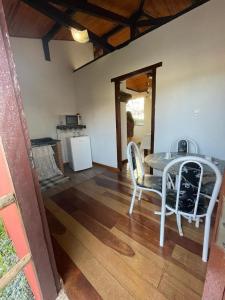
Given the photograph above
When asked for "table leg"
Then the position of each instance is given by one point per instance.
(176, 182)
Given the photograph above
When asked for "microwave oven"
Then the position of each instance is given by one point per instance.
(70, 120)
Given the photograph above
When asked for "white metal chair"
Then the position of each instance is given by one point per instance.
(140, 180)
(187, 200)
(184, 145)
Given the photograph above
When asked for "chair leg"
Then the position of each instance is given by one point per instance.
(206, 239)
(140, 194)
(197, 222)
(132, 201)
(189, 220)
(178, 216)
(162, 226)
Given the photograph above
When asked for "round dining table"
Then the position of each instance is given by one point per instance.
(158, 161)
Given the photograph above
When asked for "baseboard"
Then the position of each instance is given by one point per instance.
(112, 169)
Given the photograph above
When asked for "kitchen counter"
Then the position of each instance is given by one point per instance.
(43, 142)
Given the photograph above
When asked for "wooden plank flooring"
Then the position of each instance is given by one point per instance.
(103, 253)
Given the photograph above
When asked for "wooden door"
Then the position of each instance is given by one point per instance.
(16, 143)
(214, 288)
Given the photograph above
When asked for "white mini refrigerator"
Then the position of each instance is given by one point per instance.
(79, 153)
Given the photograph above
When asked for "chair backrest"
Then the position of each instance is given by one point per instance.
(184, 145)
(188, 190)
(134, 160)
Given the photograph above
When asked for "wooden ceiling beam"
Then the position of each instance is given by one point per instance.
(93, 10)
(137, 14)
(113, 31)
(65, 20)
(164, 20)
(141, 6)
(56, 27)
(154, 21)
(50, 35)
(134, 18)
(151, 21)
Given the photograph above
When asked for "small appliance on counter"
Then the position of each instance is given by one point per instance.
(70, 120)
(79, 153)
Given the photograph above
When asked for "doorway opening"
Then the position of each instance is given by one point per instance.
(135, 96)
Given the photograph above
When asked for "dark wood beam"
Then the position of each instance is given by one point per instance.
(50, 34)
(151, 21)
(93, 10)
(154, 21)
(112, 32)
(56, 27)
(118, 28)
(184, 11)
(145, 14)
(134, 18)
(45, 44)
(65, 20)
(138, 13)
(133, 31)
(141, 6)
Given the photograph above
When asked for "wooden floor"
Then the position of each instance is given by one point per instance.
(102, 253)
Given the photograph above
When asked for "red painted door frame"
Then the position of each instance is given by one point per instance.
(16, 143)
(215, 277)
(11, 218)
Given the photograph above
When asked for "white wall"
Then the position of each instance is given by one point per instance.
(192, 49)
(48, 88)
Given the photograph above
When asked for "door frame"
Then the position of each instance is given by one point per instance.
(151, 71)
(17, 147)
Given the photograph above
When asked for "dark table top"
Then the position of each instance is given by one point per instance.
(43, 142)
(159, 161)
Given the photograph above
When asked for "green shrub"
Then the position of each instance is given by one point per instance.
(18, 289)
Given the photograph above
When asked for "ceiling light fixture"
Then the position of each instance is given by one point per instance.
(81, 36)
